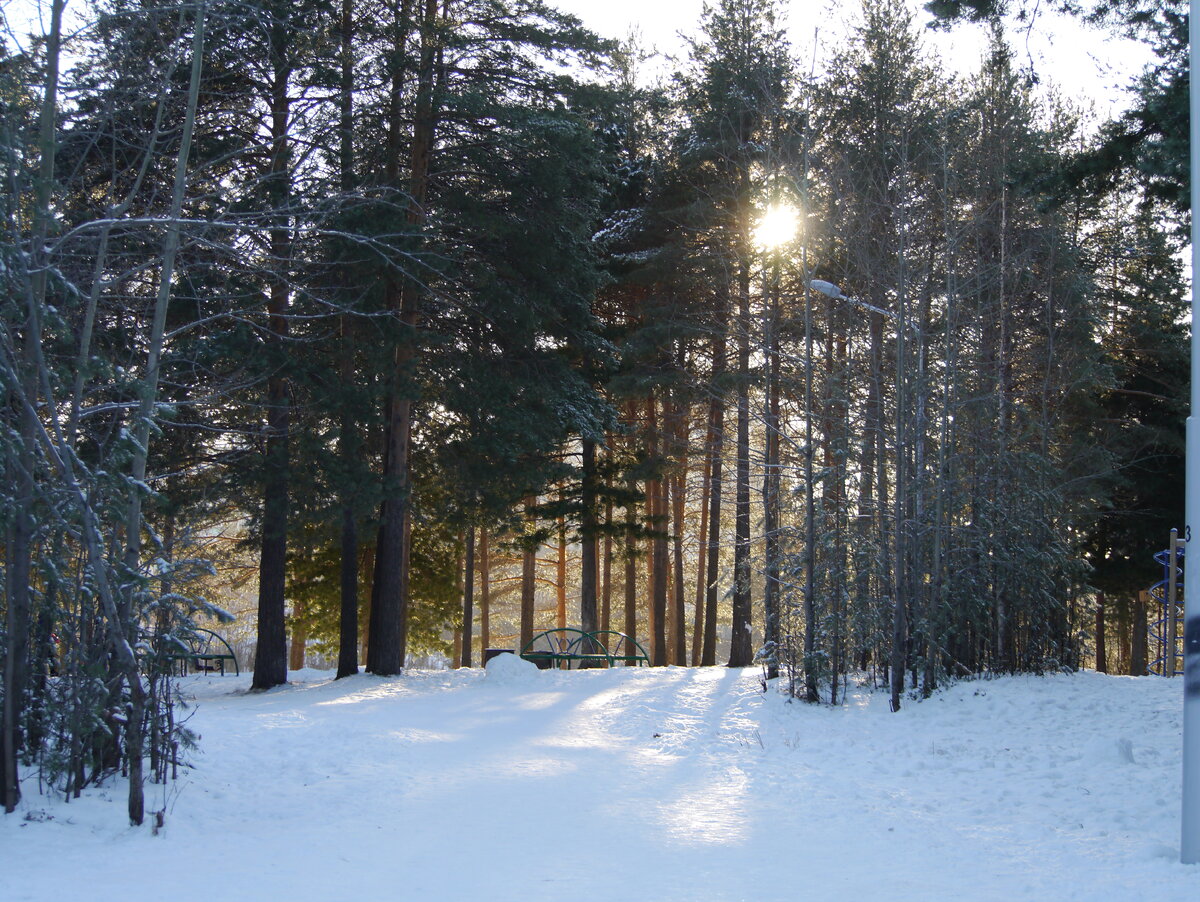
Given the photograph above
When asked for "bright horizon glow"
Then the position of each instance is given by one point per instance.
(1084, 61)
(776, 227)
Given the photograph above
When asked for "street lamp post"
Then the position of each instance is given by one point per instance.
(1189, 851)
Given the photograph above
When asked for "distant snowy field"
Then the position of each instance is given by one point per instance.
(664, 784)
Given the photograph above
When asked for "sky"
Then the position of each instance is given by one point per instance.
(1084, 62)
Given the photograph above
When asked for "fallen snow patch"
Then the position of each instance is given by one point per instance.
(510, 670)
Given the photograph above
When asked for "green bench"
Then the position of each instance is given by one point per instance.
(204, 652)
(572, 649)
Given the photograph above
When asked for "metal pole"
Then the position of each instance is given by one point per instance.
(1189, 850)
(1171, 609)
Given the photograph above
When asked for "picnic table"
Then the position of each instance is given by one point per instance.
(203, 651)
(572, 649)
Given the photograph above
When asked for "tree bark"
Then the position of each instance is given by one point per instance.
(468, 620)
(299, 641)
(899, 651)
(771, 482)
(560, 576)
(390, 594)
(701, 556)
(606, 602)
(348, 439)
(588, 539)
(656, 508)
(270, 656)
(1139, 656)
(348, 614)
(528, 585)
(17, 621)
(134, 740)
(677, 622)
(716, 420)
(741, 654)
(678, 485)
(485, 592)
(631, 629)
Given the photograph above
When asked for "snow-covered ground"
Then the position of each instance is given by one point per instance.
(637, 785)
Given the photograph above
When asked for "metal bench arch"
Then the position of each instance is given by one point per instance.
(205, 652)
(573, 649)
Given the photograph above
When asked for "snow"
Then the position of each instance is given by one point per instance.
(667, 783)
(509, 670)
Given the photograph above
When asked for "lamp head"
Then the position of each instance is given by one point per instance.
(826, 288)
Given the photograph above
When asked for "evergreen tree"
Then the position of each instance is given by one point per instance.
(1150, 139)
(1143, 409)
(878, 190)
(741, 80)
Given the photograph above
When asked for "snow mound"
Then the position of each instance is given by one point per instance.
(509, 670)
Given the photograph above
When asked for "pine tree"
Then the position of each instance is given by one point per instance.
(1142, 297)
(1150, 139)
(741, 78)
(882, 89)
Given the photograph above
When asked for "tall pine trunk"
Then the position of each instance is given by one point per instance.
(771, 481)
(299, 643)
(678, 484)
(485, 592)
(716, 421)
(468, 619)
(657, 520)
(701, 556)
(903, 563)
(528, 582)
(348, 438)
(348, 592)
(560, 576)
(19, 541)
(134, 740)
(810, 510)
(631, 629)
(741, 653)
(390, 594)
(589, 622)
(270, 656)
(606, 598)
(1139, 652)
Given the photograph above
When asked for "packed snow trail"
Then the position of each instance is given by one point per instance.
(647, 784)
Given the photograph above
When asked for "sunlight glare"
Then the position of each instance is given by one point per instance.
(776, 227)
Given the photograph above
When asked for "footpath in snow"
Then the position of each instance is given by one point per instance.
(663, 784)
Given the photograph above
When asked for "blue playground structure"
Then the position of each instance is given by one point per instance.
(1166, 612)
